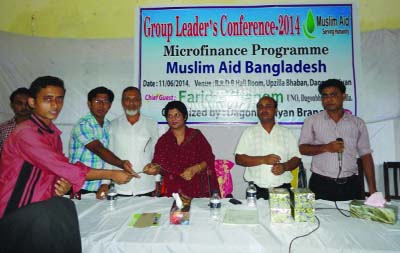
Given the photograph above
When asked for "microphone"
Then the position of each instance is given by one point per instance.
(340, 154)
(340, 159)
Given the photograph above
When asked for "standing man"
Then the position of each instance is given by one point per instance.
(268, 151)
(31, 220)
(134, 136)
(90, 140)
(20, 107)
(334, 139)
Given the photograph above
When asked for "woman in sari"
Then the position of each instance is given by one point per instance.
(183, 157)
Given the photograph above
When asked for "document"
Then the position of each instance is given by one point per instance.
(142, 220)
(241, 216)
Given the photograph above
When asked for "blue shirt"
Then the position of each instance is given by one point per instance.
(84, 132)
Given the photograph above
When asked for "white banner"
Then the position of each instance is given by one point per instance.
(219, 60)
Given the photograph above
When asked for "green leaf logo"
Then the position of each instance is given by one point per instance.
(309, 25)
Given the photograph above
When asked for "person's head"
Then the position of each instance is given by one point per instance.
(176, 114)
(267, 108)
(19, 103)
(131, 101)
(99, 102)
(46, 97)
(333, 93)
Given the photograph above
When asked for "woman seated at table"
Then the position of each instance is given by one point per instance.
(183, 157)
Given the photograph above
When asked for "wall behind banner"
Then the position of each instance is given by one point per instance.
(89, 44)
(115, 19)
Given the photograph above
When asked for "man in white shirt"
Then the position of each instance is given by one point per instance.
(268, 151)
(134, 136)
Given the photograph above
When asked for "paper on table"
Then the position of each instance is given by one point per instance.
(178, 200)
(376, 200)
(241, 216)
(141, 220)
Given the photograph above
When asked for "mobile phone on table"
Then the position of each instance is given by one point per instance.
(235, 201)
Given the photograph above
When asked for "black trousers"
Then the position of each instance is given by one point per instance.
(264, 193)
(329, 189)
(49, 226)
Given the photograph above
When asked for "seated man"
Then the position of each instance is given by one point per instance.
(268, 151)
(334, 139)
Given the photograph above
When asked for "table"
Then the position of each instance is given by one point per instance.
(105, 230)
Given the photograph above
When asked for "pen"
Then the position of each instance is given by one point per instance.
(147, 143)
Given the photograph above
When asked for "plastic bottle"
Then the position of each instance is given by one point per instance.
(112, 196)
(251, 194)
(215, 205)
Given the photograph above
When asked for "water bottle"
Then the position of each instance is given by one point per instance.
(112, 196)
(251, 194)
(215, 205)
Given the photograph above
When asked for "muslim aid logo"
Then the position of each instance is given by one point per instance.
(309, 25)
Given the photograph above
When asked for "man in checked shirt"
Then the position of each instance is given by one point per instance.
(90, 138)
(19, 105)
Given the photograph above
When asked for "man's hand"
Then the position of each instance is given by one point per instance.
(271, 159)
(335, 146)
(278, 169)
(127, 166)
(102, 192)
(189, 172)
(121, 176)
(62, 186)
(151, 169)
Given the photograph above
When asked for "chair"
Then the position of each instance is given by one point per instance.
(299, 177)
(224, 177)
(361, 178)
(394, 167)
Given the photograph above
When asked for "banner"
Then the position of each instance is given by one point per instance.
(219, 60)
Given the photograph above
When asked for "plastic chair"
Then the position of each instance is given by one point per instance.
(361, 178)
(394, 167)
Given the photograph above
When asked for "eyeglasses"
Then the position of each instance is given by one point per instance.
(265, 106)
(101, 101)
(175, 116)
(330, 95)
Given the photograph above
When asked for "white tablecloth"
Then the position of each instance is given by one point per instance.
(105, 230)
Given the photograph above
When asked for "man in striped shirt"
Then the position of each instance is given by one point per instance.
(334, 138)
(19, 105)
(90, 139)
(32, 163)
